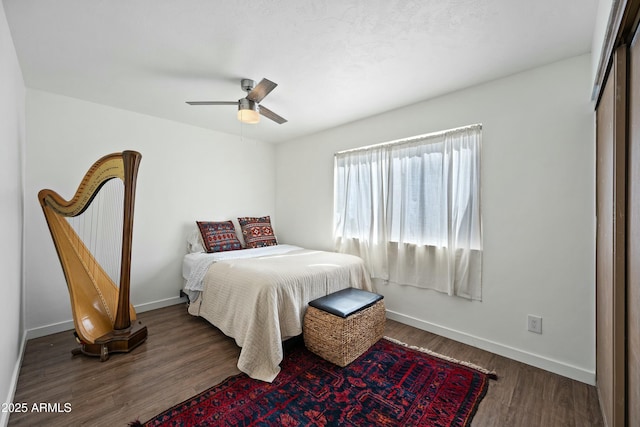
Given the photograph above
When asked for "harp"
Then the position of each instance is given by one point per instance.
(105, 321)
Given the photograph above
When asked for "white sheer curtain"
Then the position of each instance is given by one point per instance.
(411, 210)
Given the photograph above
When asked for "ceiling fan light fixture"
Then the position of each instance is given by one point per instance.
(249, 108)
(248, 111)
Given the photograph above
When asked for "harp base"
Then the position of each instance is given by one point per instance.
(116, 341)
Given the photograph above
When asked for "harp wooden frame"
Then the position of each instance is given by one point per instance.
(104, 320)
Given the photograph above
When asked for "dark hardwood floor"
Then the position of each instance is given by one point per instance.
(185, 355)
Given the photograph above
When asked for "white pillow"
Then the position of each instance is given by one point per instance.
(194, 242)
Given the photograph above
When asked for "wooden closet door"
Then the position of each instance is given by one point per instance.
(633, 238)
(610, 238)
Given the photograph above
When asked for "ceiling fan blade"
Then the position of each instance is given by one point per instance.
(271, 115)
(263, 88)
(212, 102)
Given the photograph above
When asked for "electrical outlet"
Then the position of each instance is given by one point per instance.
(534, 323)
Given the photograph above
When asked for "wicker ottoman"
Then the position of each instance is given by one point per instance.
(343, 325)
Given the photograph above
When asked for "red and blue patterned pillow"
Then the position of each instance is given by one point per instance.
(257, 232)
(219, 236)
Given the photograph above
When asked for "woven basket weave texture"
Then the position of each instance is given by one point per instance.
(342, 340)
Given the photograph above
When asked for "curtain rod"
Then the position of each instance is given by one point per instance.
(413, 138)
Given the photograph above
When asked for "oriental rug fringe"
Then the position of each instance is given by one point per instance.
(391, 384)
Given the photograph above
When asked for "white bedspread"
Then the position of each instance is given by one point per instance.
(261, 301)
(195, 265)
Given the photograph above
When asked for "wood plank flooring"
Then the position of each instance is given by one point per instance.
(185, 355)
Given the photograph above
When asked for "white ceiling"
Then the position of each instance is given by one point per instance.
(335, 61)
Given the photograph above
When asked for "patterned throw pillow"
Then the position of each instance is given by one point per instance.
(257, 232)
(219, 236)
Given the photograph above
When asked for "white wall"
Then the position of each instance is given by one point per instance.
(12, 139)
(599, 34)
(186, 174)
(538, 212)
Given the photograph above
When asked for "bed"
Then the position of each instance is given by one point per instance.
(259, 296)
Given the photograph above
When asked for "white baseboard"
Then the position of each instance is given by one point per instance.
(4, 416)
(141, 308)
(555, 366)
(67, 325)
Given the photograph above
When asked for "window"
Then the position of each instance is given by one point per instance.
(411, 210)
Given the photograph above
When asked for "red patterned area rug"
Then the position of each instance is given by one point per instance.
(390, 385)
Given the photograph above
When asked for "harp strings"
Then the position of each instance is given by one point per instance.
(100, 226)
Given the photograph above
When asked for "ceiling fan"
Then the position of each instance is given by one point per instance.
(249, 108)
